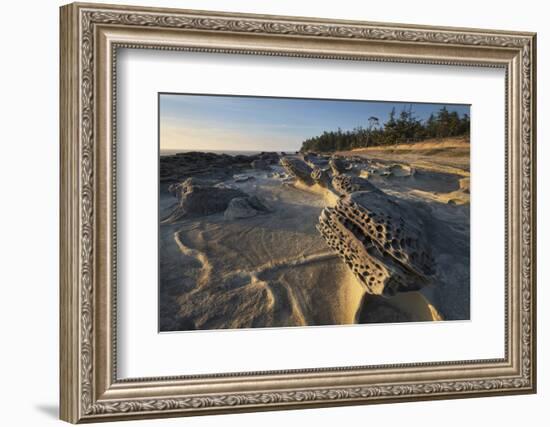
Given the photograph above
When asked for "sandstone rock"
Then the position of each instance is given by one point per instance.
(259, 164)
(298, 169)
(464, 185)
(245, 207)
(381, 239)
(398, 170)
(197, 199)
(242, 178)
(316, 160)
(388, 171)
(346, 184)
(365, 173)
(377, 309)
(177, 189)
(337, 165)
(270, 158)
(176, 168)
(320, 176)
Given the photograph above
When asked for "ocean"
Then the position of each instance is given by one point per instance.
(229, 152)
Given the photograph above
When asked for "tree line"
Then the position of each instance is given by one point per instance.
(398, 129)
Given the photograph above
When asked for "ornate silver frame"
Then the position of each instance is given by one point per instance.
(90, 36)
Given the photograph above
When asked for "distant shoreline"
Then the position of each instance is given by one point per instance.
(228, 152)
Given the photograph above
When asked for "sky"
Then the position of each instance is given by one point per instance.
(237, 123)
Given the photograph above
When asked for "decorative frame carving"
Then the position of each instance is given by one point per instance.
(90, 36)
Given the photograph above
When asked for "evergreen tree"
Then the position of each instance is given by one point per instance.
(403, 129)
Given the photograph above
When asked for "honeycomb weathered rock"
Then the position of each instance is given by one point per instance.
(380, 239)
(298, 169)
(337, 166)
(346, 184)
(320, 176)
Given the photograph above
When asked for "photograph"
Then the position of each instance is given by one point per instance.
(278, 209)
(283, 212)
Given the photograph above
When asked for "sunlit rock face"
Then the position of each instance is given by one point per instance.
(380, 239)
(346, 184)
(320, 176)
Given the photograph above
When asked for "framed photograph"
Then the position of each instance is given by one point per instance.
(266, 212)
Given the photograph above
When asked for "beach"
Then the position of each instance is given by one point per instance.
(263, 240)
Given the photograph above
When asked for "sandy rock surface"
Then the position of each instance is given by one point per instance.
(313, 240)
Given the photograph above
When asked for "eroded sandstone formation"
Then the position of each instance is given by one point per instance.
(320, 176)
(177, 167)
(316, 160)
(178, 189)
(199, 197)
(380, 231)
(337, 166)
(347, 184)
(245, 207)
(380, 238)
(298, 169)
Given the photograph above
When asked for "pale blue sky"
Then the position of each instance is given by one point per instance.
(232, 123)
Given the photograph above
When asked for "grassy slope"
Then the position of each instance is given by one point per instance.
(449, 154)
